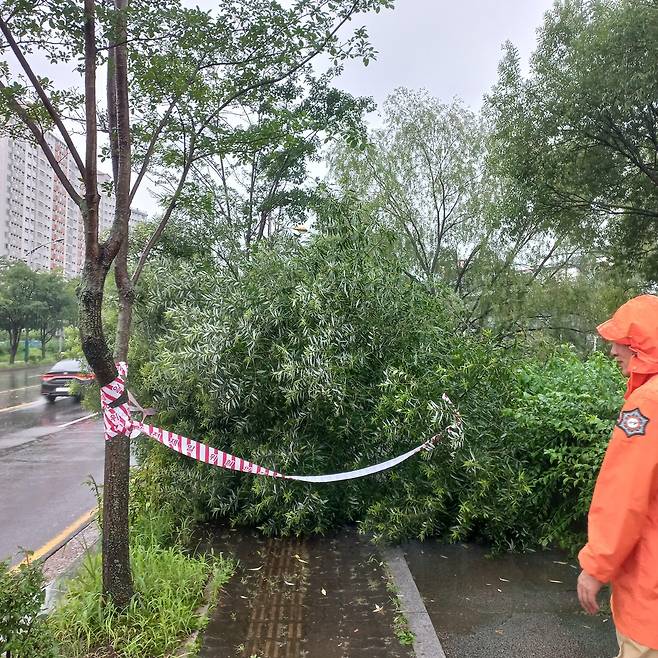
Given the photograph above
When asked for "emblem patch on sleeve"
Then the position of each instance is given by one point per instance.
(633, 423)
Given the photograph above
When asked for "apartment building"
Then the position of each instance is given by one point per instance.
(39, 222)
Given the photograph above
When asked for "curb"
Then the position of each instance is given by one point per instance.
(54, 589)
(426, 642)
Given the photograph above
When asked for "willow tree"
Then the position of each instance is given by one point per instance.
(425, 175)
(175, 81)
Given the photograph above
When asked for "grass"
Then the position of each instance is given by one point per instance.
(402, 631)
(173, 589)
(401, 628)
(169, 587)
(34, 358)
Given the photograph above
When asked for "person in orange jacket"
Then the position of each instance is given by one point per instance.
(622, 543)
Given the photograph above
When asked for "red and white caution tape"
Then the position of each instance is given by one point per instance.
(118, 421)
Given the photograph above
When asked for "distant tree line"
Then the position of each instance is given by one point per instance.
(39, 301)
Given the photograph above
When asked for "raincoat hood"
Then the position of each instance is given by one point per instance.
(635, 324)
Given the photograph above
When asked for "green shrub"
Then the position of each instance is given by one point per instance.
(22, 631)
(558, 429)
(329, 357)
(316, 359)
(159, 516)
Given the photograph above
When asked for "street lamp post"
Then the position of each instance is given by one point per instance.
(39, 246)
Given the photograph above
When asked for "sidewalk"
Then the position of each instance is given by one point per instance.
(523, 606)
(316, 598)
(328, 598)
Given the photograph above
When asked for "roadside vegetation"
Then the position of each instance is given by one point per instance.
(326, 357)
(35, 307)
(172, 581)
(313, 326)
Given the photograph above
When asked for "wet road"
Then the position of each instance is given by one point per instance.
(47, 451)
(19, 386)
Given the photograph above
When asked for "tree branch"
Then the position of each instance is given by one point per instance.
(90, 170)
(151, 149)
(38, 88)
(165, 218)
(119, 231)
(467, 263)
(41, 141)
(112, 110)
(286, 74)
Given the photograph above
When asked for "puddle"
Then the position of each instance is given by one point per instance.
(512, 605)
(313, 598)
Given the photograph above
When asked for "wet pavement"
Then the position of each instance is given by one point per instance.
(512, 605)
(44, 461)
(315, 598)
(328, 598)
(20, 386)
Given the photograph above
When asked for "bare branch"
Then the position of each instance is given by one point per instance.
(38, 88)
(465, 266)
(45, 147)
(151, 149)
(91, 172)
(153, 240)
(112, 128)
(119, 232)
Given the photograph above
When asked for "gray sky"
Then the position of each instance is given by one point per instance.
(449, 47)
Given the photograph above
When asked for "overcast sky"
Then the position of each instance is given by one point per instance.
(449, 47)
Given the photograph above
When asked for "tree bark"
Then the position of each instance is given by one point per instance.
(117, 581)
(126, 293)
(14, 340)
(117, 578)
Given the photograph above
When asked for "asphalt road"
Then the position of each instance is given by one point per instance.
(47, 451)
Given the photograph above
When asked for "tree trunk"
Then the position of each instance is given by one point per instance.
(43, 343)
(117, 578)
(14, 340)
(117, 581)
(126, 293)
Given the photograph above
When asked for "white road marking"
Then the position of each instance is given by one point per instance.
(77, 420)
(22, 388)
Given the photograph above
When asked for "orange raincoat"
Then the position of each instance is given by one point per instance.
(622, 545)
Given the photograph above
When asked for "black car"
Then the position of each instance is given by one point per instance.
(66, 378)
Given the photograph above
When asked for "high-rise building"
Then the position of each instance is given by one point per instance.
(39, 222)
